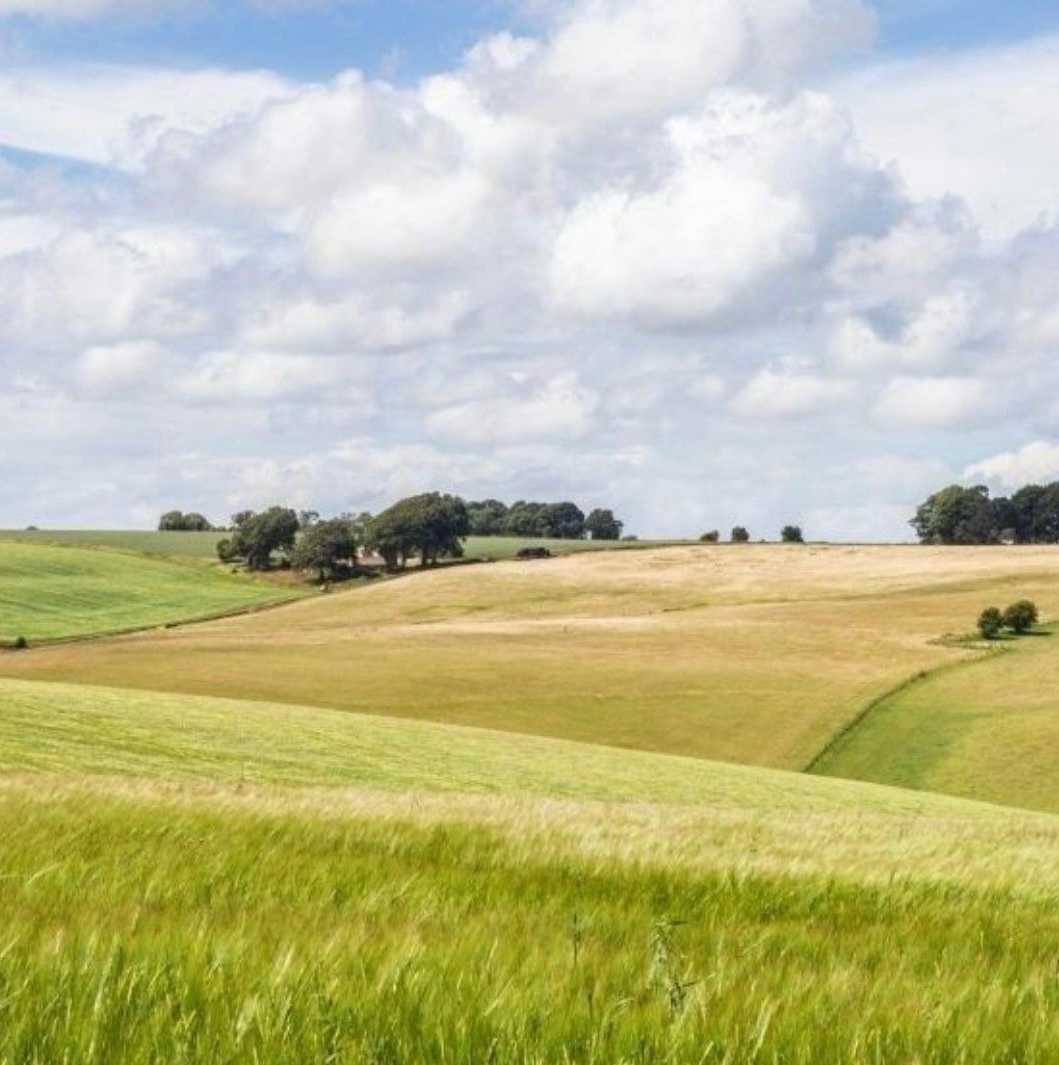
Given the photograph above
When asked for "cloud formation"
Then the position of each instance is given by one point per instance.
(641, 259)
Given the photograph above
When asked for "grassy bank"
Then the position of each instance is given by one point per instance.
(49, 592)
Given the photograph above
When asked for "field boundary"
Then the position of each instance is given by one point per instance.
(880, 700)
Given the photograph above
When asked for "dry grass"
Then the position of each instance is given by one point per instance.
(755, 654)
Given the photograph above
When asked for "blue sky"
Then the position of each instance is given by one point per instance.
(707, 262)
(407, 38)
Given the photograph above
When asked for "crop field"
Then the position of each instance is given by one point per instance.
(988, 730)
(203, 545)
(492, 814)
(755, 655)
(185, 879)
(51, 592)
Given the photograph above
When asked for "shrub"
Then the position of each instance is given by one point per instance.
(710, 537)
(1020, 617)
(21, 643)
(740, 535)
(792, 534)
(990, 622)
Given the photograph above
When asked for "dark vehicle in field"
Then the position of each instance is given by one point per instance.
(532, 552)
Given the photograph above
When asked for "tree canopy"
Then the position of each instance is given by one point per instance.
(792, 534)
(178, 521)
(960, 515)
(602, 525)
(431, 526)
(327, 547)
(256, 536)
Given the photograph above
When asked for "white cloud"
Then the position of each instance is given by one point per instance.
(976, 125)
(1036, 463)
(932, 401)
(120, 369)
(113, 115)
(562, 408)
(783, 394)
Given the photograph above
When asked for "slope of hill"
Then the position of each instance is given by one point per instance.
(988, 729)
(757, 654)
(171, 888)
(49, 592)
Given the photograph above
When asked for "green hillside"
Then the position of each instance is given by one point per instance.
(988, 729)
(48, 592)
(187, 879)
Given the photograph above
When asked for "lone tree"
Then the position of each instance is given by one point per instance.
(602, 525)
(1020, 617)
(792, 534)
(740, 535)
(256, 536)
(328, 547)
(431, 525)
(711, 537)
(990, 622)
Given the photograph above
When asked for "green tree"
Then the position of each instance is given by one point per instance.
(255, 537)
(740, 535)
(711, 537)
(562, 521)
(328, 547)
(792, 534)
(487, 517)
(171, 521)
(1020, 617)
(602, 525)
(990, 622)
(431, 525)
(957, 515)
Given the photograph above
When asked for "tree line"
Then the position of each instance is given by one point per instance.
(961, 515)
(427, 527)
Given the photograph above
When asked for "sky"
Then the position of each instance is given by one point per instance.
(706, 262)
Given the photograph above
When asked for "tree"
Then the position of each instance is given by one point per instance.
(562, 521)
(308, 518)
(431, 525)
(740, 535)
(487, 517)
(957, 515)
(710, 537)
(256, 536)
(602, 525)
(792, 534)
(328, 547)
(990, 622)
(1020, 617)
(171, 521)
(177, 521)
(525, 519)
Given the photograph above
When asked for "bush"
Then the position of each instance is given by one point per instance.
(740, 535)
(792, 534)
(1020, 617)
(710, 537)
(21, 643)
(990, 622)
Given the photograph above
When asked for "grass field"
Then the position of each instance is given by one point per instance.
(176, 885)
(988, 730)
(757, 654)
(329, 865)
(204, 545)
(51, 592)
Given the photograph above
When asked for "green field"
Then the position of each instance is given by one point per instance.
(204, 545)
(287, 836)
(194, 880)
(51, 592)
(987, 730)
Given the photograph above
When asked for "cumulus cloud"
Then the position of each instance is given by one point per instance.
(1036, 463)
(786, 394)
(941, 402)
(560, 408)
(638, 234)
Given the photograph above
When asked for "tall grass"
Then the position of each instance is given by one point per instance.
(143, 932)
